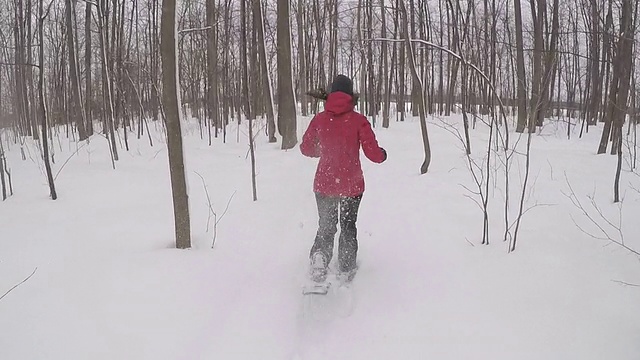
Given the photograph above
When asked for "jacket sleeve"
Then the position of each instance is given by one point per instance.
(310, 145)
(369, 143)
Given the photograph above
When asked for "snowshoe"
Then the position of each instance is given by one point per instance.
(346, 277)
(318, 276)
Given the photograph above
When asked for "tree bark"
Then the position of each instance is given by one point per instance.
(264, 70)
(213, 108)
(171, 104)
(87, 68)
(43, 108)
(521, 82)
(420, 104)
(536, 77)
(243, 61)
(106, 85)
(75, 103)
(302, 68)
(286, 97)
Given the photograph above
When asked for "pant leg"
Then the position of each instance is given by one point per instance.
(327, 225)
(348, 243)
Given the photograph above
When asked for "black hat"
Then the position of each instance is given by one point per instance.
(342, 83)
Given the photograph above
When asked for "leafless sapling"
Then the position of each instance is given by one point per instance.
(607, 229)
(212, 211)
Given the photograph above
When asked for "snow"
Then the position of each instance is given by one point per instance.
(110, 285)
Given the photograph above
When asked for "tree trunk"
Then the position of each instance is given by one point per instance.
(3, 166)
(254, 189)
(43, 108)
(286, 98)
(170, 97)
(87, 68)
(621, 83)
(243, 60)
(213, 108)
(302, 69)
(106, 85)
(417, 82)
(385, 78)
(521, 82)
(75, 103)
(538, 48)
(402, 61)
(264, 70)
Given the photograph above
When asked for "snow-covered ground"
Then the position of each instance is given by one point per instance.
(110, 285)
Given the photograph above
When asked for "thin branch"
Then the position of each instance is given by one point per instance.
(216, 219)
(586, 232)
(185, 31)
(625, 283)
(206, 191)
(597, 208)
(18, 284)
(574, 200)
(68, 159)
(46, 14)
(227, 207)
(15, 64)
(90, 2)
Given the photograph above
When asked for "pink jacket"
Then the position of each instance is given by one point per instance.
(335, 136)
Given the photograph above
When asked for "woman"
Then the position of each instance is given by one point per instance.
(335, 136)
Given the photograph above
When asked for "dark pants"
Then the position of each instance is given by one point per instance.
(330, 209)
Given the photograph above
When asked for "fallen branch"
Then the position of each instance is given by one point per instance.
(18, 284)
(625, 283)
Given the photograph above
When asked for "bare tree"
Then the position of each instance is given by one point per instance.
(106, 82)
(286, 98)
(302, 68)
(264, 70)
(618, 98)
(417, 82)
(171, 104)
(87, 69)
(4, 181)
(243, 60)
(213, 101)
(521, 83)
(75, 103)
(43, 107)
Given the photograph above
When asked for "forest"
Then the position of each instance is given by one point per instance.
(79, 68)
(99, 63)
(155, 202)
